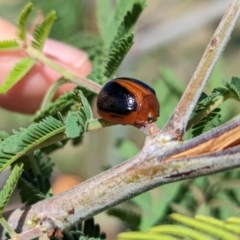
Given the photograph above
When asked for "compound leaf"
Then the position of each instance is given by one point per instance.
(10, 185)
(41, 32)
(17, 73)
(22, 22)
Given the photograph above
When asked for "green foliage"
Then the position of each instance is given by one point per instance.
(34, 184)
(22, 22)
(207, 123)
(206, 114)
(86, 231)
(8, 45)
(117, 55)
(125, 15)
(76, 121)
(28, 192)
(10, 185)
(115, 32)
(208, 196)
(41, 32)
(75, 124)
(3, 135)
(25, 140)
(233, 87)
(132, 13)
(62, 104)
(197, 228)
(205, 195)
(149, 208)
(212, 118)
(17, 73)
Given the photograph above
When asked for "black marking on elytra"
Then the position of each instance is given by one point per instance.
(117, 99)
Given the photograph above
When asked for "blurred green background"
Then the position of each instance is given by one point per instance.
(170, 39)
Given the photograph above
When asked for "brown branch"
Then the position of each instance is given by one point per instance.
(155, 165)
(176, 126)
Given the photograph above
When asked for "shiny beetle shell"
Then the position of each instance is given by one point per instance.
(128, 101)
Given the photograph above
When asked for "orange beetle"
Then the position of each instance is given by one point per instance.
(128, 101)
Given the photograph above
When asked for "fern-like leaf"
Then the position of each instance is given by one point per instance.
(10, 185)
(73, 126)
(22, 22)
(207, 123)
(206, 100)
(3, 135)
(208, 226)
(233, 87)
(17, 73)
(133, 14)
(117, 55)
(32, 185)
(126, 15)
(41, 32)
(62, 104)
(8, 45)
(211, 116)
(29, 193)
(45, 165)
(76, 121)
(85, 104)
(27, 139)
(198, 228)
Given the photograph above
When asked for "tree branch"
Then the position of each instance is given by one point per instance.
(155, 165)
(176, 125)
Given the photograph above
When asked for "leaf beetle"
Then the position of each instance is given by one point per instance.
(128, 101)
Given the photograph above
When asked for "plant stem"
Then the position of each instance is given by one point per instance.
(52, 91)
(80, 81)
(176, 126)
(5, 224)
(95, 124)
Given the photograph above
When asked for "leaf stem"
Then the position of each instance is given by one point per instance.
(52, 91)
(95, 124)
(177, 124)
(80, 81)
(5, 224)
